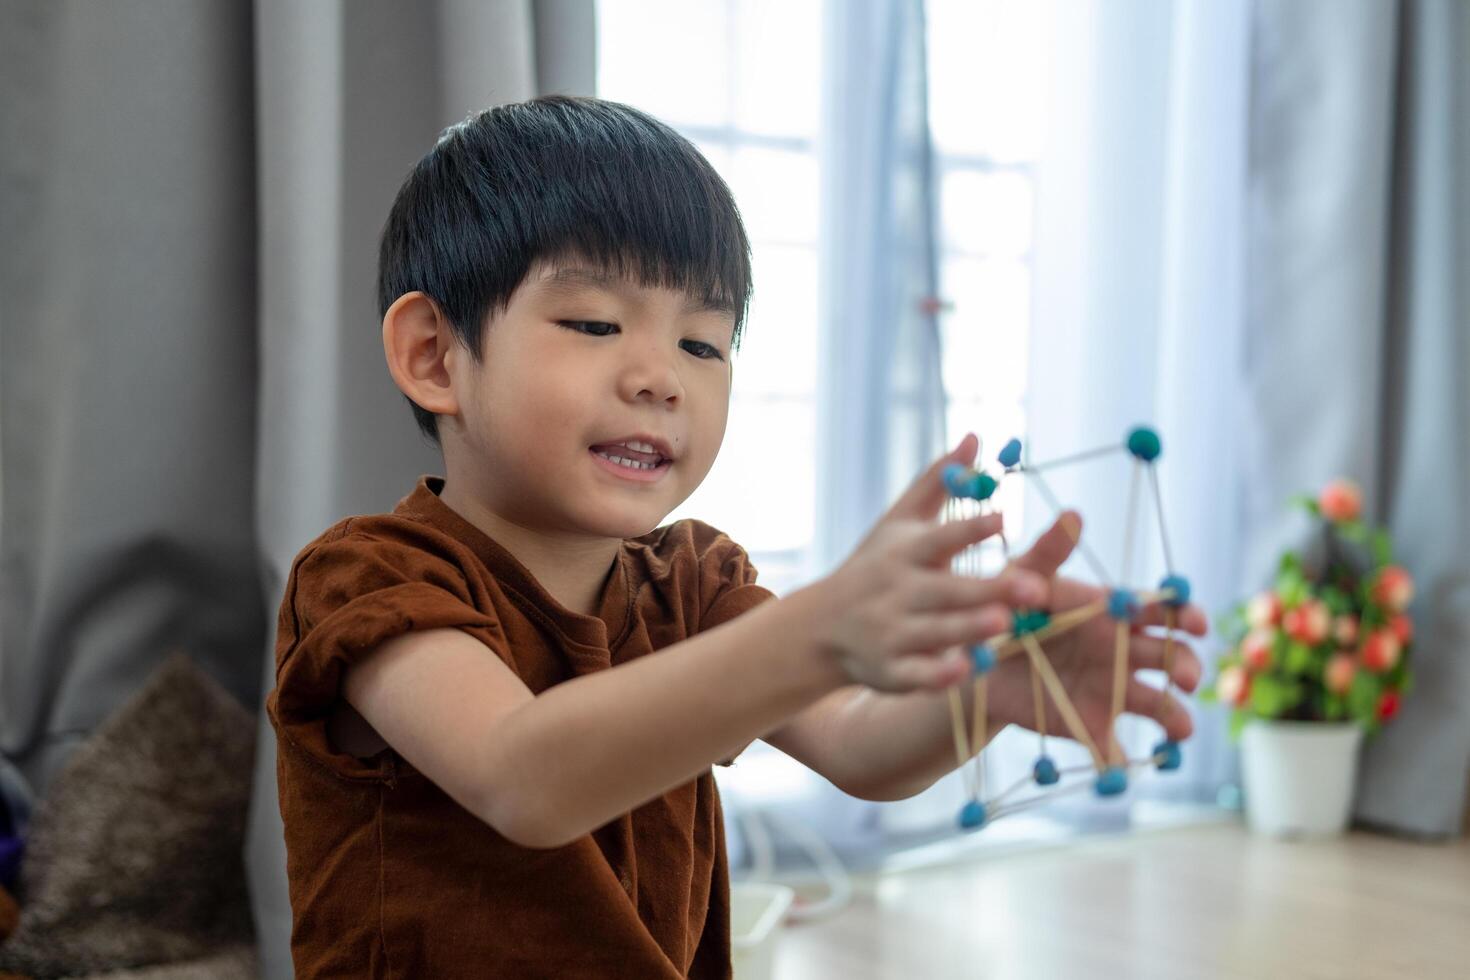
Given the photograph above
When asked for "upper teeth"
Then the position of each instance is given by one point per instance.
(642, 447)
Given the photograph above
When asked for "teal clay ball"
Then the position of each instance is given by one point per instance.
(1029, 621)
(1143, 443)
(1010, 455)
(1112, 781)
(1121, 605)
(956, 480)
(1168, 755)
(1045, 771)
(1180, 585)
(972, 817)
(983, 486)
(982, 658)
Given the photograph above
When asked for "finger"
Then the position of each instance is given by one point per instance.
(933, 672)
(1054, 547)
(937, 546)
(939, 591)
(1147, 653)
(924, 497)
(1190, 619)
(1152, 702)
(935, 631)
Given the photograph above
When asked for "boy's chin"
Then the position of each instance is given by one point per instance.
(628, 524)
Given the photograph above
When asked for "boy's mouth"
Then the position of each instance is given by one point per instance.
(631, 464)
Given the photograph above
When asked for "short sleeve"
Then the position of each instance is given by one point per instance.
(727, 583)
(727, 588)
(345, 597)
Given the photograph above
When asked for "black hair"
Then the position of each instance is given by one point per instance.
(556, 178)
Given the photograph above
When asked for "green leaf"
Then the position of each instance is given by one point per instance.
(1338, 601)
(1353, 531)
(1271, 697)
(1309, 504)
(1238, 721)
(1291, 586)
(1298, 660)
(1382, 548)
(1208, 695)
(1362, 697)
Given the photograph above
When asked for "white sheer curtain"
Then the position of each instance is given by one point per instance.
(1136, 300)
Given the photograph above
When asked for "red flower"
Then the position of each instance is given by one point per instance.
(1308, 622)
(1339, 674)
(1394, 588)
(1340, 500)
(1388, 705)
(1255, 649)
(1403, 628)
(1380, 651)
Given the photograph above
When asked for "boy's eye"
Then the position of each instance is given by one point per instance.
(595, 328)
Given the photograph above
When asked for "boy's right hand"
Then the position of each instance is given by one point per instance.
(900, 619)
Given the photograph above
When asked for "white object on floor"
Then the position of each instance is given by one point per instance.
(756, 913)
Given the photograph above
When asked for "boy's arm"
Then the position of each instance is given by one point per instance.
(546, 769)
(876, 745)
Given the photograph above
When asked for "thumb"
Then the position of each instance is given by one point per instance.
(924, 497)
(1054, 547)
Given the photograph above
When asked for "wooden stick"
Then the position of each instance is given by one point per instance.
(977, 734)
(1037, 704)
(1120, 671)
(1059, 696)
(961, 746)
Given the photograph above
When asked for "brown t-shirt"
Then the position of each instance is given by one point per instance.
(390, 877)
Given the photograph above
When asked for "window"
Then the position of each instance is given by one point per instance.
(987, 73)
(742, 80)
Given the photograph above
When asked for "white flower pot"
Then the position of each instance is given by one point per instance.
(1299, 775)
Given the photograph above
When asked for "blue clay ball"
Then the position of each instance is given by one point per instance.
(1045, 771)
(1172, 757)
(972, 817)
(1180, 585)
(1143, 443)
(1010, 454)
(957, 479)
(1112, 781)
(1121, 605)
(982, 658)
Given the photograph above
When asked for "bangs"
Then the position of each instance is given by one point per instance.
(565, 180)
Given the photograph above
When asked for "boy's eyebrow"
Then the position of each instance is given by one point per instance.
(567, 279)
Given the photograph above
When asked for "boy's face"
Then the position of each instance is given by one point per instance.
(581, 360)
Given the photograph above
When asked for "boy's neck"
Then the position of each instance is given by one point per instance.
(573, 569)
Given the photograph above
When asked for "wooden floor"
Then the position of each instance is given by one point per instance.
(1208, 901)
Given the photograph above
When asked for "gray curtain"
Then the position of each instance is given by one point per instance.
(1358, 334)
(192, 382)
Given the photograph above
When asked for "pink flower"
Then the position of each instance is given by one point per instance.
(1341, 500)
(1255, 649)
(1340, 672)
(1308, 622)
(1233, 685)
(1394, 588)
(1380, 651)
(1345, 629)
(1263, 610)
(1403, 628)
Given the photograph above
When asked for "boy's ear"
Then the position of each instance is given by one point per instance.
(419, 343)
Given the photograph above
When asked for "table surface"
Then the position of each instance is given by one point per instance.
(1210, 901)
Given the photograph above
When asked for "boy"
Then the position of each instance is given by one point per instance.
(498, 706)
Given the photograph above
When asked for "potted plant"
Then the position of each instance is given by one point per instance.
(1315, 664)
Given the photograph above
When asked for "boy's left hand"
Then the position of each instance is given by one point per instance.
(1083, 656)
